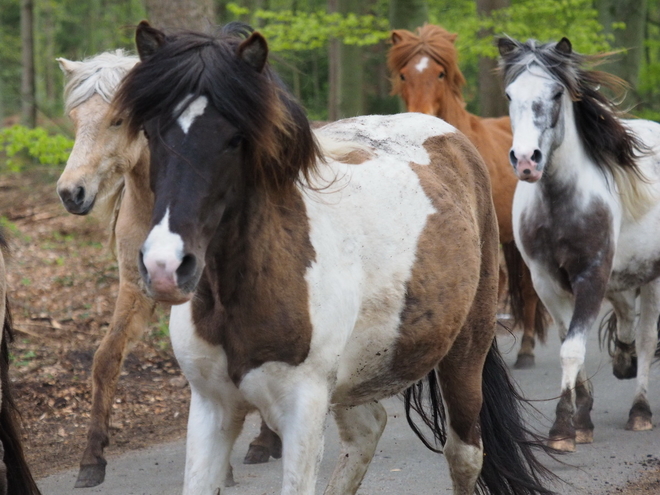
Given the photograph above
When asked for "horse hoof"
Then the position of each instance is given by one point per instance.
(524, 362)
(624, 361)
(562, 445)
(584, 436)
(229, 479)
(91, 475)
(639, 423)
(257, 454)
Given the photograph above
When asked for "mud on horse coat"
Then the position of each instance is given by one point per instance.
(322, 280)
(108, 172)
(425, 73)
(586, 216)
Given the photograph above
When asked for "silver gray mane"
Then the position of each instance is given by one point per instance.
(100, 74)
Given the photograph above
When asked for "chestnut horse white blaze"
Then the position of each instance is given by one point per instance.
(585, 215)
(108, 172)
(426, 75)
(317, 279)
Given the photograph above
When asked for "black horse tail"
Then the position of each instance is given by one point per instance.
(515, 267)
(19, 478)
(510, 466)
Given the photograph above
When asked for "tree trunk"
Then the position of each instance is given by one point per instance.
(633, 13)
(491, 92)
(334, 69)
(196, 15)
(408, 14)
(28, 105)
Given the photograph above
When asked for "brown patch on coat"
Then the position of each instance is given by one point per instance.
(356, 157)
(264, 314)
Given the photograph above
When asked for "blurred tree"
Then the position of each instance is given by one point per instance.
(408, 14)
(625, 21)
(491, 94)
(181, 14)
(28, 98)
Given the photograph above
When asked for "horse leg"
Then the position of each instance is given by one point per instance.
(530, 301)
(624, 360)
(584, 401)
(463, 398)
(3, 471)
(360, 429)
(266, 444)
(213, 427)
(645, 344)
(132, 312)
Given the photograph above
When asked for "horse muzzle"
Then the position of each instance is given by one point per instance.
(75, 199)
(528, 171)
(169, 281)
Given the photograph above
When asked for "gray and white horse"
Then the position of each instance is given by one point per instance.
(586, 215)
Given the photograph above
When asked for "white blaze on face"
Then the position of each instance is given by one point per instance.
(163, 250)
(193, 110)
(422, 65)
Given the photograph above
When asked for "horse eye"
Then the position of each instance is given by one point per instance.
(235, 142)
(403, 78)
(441, 75)
(117, 122)
(507, 96)
(558, 95)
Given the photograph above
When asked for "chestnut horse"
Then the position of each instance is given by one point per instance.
(310, 279)
(108, 171)
(425, 73)
(15, 476)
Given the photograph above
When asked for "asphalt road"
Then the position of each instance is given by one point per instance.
(403, 466)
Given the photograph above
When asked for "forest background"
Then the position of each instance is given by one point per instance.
(331, 53)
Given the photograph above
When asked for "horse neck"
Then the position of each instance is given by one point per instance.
(454, 112)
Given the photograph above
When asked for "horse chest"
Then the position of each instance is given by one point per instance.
(568, 236)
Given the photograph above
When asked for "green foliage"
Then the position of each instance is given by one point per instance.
(289, 30)
(524, 19)
(22, 144)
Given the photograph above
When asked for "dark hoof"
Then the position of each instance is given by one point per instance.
(640, 418)
(257, 454)
(276, 448)
(91, 475)
(624, 361)
(524, 362)
(229, 479)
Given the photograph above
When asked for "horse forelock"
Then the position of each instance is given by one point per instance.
(430, 40)
(280, 142)
(608, 142)
(100, 74)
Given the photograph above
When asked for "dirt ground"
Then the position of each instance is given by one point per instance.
(63, 283)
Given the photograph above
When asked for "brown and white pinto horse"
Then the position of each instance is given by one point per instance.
(425, 73)
(15, 476)
(108, 171)
(307, 281)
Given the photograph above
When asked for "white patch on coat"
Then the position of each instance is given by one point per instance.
(211, 431)
(192, 111)
(465, 462)
(422, 65)
(163, 248)
(571, 354)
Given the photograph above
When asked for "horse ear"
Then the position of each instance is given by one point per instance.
(68, 66)
(506, 46)
(395, 37)
(564, 46)
(254, 51)
(148, 40)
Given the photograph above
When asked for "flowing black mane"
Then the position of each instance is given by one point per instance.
(609, 143)
(279, 141)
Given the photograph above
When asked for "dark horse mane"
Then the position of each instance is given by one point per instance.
(278, 139)
(430, 40)
(607, 140)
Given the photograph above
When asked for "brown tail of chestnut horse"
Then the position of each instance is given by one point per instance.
(19, 479)
(515, 267)
(510, 466)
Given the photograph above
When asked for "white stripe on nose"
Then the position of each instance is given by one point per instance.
(162, 254)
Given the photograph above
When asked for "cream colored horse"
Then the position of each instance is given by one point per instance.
(109, 172)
